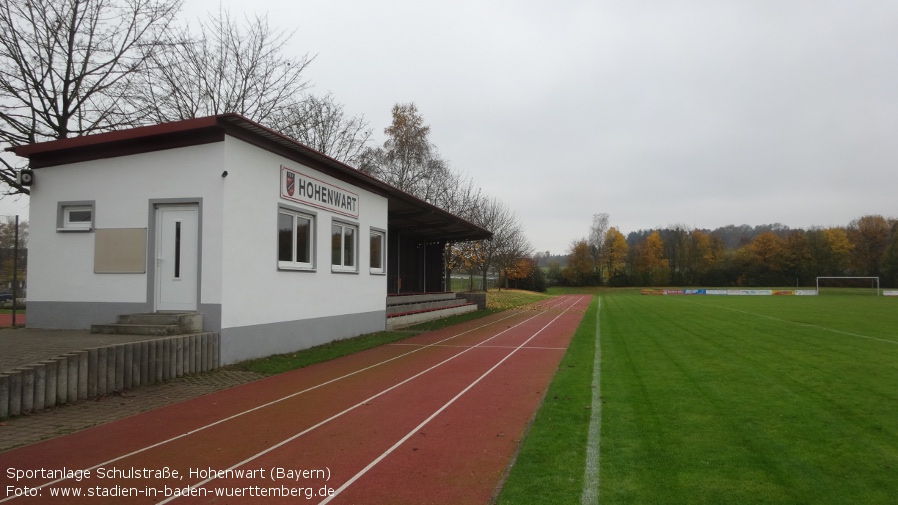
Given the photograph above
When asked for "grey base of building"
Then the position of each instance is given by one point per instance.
(257, 341)
(81, 315)
(237, 343)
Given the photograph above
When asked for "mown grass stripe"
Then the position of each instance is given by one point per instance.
(814, 326)
(591, 474)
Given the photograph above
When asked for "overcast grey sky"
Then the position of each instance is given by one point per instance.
(690, 112)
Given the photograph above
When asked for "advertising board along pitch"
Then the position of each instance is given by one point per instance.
(731, 292)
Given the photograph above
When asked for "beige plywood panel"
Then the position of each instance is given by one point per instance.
(120, 251)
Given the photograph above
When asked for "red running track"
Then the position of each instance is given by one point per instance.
(433, 419)
(6, 320)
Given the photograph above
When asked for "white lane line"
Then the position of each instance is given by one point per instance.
(893, 342)
(485, 346)
(590, 494)
(418, 428)
(265, 405)
(349, 409)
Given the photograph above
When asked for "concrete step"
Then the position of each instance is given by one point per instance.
(419, 298)
(424, 305)
(421, 316)
(188, 322)
(153, 324)
(154, 330)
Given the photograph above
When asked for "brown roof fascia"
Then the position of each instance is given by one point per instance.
(112, 144)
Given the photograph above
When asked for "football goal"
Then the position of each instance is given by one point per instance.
(848, 285)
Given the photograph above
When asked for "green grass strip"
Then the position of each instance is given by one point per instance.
(280, 363)
(550, 465)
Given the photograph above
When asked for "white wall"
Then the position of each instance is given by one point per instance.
(254, 291)
(60, 265)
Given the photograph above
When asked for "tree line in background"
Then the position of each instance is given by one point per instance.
(78, 67)
(769, 255)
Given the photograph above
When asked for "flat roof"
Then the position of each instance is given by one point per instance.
(407, 214)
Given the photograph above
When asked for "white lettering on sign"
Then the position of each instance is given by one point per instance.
(308, 190)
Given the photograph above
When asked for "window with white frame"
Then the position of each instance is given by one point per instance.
(344, 247)
(296, 231)
(75, 216)
(378, 251)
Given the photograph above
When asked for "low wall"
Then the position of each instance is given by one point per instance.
(475, 297)
(99, 371)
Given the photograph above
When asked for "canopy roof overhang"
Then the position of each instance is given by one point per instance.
(411, 217)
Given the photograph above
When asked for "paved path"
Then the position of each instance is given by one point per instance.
(67, 419)
(435, 418)
(24, 346)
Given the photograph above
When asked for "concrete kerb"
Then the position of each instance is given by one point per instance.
(27, 389)
(119, 368)
(83, 373)
(102, 365)
(72, 382)
(15, 393)
(50, 383)
(40, 386)
(62, 380)
(92, 363)
(127, 365)
(4, 396)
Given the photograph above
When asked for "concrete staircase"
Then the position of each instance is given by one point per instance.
(158, 324)
(406, 310)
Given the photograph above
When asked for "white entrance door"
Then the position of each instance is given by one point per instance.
(177, 236)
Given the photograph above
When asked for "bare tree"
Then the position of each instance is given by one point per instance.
(407, 159)
(596, 240)
(512, 246)
(321, 123)
(67, 65)
(460, 196)
(227, 67)
(496, 217)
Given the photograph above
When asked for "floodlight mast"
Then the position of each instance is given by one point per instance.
(878, 292)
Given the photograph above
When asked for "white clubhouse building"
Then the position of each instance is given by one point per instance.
(278, 246)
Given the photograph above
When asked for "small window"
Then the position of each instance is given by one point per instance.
(378, 250)
(295, 232)
(75, 216)
(343, 247)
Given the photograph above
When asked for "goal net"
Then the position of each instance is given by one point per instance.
(848, 285)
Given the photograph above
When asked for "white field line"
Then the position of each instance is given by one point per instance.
(265, 405)
(590, 494)
(418, 428)
(349, 409)
(893, 342)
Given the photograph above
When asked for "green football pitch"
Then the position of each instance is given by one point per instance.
(721, 399)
